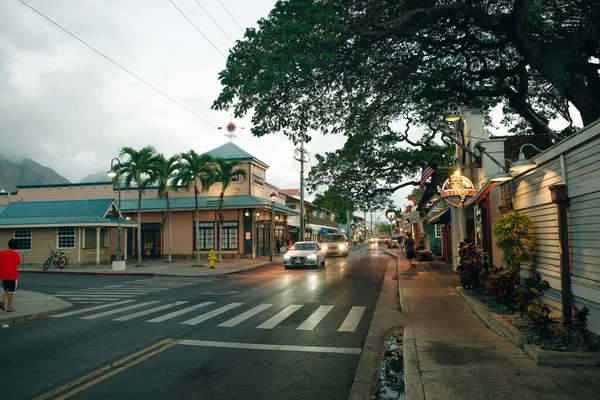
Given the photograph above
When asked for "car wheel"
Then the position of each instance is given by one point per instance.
(323, 262)
(286, 266)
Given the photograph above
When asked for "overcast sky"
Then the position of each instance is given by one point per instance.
(68, 108)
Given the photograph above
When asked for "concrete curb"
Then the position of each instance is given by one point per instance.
(90, 273)
(29, 317)
(537, 354)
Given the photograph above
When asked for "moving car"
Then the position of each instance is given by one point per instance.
(304, 254)
(335, 243)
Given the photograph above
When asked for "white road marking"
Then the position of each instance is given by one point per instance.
(103, 292)
(88, 302)
(84, 310)
(180, 312)
(123, 296)
(118, 310)
(276, 347)
(150, 311)
(352, 320)
(244, 316)
(316, 317)
(128, 289)
(104, 299)
(277, 318)
(210, 314)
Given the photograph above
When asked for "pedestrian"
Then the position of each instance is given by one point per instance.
(288, 241)
(277, 244)
(9, 259)
(409, 245)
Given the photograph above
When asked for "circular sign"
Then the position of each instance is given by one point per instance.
(457, 190)
(353, 226)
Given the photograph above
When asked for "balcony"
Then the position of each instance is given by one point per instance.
(321, 221)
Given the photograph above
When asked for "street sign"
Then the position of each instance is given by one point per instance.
(414, 217)
(353, 227)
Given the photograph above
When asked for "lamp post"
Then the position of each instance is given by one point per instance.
(112, 173)
(391, 216)
(255, 238)
(273, 199)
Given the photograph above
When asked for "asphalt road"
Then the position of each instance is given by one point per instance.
(270, 333)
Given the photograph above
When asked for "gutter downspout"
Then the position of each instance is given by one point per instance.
(561, 199)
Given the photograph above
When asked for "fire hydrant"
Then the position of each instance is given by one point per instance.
(211, 258)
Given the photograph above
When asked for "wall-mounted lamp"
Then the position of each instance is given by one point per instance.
(451, 114)
(247, 213)
(501, 177)
(524, 164)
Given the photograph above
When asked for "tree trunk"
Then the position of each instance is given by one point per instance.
(220, 227)
(197, 228)
(139, 227)
(170, 258)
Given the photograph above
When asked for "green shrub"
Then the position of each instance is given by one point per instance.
(513, 233)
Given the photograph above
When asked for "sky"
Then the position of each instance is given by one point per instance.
(70, 109)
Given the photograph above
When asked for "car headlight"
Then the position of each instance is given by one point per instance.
(286, 256)
(324, 247)
(342, 247)
(312, 257)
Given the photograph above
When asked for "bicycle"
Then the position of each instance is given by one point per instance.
(57, 258)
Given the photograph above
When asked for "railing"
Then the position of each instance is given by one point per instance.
(321, 221)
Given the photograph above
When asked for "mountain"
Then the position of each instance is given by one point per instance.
(26, 172)
(97, 177)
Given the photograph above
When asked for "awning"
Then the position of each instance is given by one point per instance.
(443, 217)
(480, 195)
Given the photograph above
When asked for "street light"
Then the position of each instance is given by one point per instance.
(524, 164)
(273, 199)
(112, 173)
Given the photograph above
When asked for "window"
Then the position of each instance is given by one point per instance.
(66, 238)
(237, 178)
(23, 236)
(438, 231)
(206, 234)
(229, 235)
(89, 239)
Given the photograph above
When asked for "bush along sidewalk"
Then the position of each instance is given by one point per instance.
(519, 301)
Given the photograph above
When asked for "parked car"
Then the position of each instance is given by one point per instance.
(304, 254)
(336, 243)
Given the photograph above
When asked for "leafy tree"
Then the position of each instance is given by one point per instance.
(166, 169)
(332, 199)
(223, 174)
(140, 169)
(195, 170)
(332, 65)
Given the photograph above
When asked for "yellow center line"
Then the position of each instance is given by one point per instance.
(168, 342)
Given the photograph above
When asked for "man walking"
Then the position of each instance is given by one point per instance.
(9, 259)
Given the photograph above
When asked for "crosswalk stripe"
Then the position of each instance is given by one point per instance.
(180, 312)
(352, 320)
(100, 293)
(316, 317)
(276, 319)
(121, 296)
(210, 314)
(104, 299)
(88, 302)
(244, 316)
(150, 311)
(84, 310)
(127, 289)
(118, 310)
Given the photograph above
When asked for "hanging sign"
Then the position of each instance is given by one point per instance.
(457, 190)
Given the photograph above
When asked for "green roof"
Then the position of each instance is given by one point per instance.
(59, 213)
(232, 152)
(2, 209)
(204, 202)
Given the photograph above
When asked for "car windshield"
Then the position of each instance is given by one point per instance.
(335, 238)
(305, 246)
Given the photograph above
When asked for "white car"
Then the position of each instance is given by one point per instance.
(304, 254)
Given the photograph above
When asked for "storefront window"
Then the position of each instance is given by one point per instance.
(229, 235)
(23, 236)
(206, 234)
(66, 238)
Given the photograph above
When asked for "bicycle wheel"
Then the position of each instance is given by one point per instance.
(62, 262)
(48, 263)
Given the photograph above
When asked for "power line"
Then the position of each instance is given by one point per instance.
(198, 29)
(223, 5)
(213, 20)
(115, 63)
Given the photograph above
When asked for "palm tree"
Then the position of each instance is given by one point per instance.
(224, 173)
(140, 169)
(195, 170)
(165, 177)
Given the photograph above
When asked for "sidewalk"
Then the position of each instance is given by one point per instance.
(30, 305)
(160, 267)
(450, 354)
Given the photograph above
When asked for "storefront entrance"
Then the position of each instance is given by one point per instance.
(151, 246)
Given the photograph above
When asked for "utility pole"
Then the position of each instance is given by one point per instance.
(302, 161)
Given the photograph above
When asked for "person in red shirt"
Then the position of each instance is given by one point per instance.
(9, 259)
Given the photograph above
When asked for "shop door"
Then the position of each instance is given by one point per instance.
(151, 244)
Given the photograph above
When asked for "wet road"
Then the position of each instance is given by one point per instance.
(270, 333)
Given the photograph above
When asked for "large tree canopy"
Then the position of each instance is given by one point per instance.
(356, 67)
